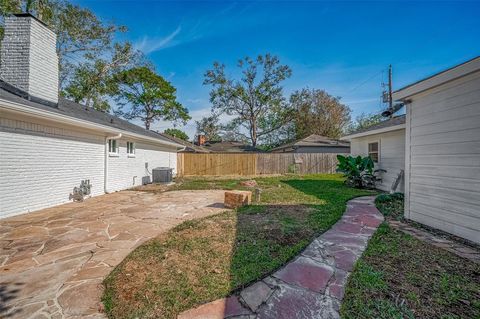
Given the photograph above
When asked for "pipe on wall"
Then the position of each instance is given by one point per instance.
(105, 173)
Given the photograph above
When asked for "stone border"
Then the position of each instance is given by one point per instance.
(452, 246)
(310, 286)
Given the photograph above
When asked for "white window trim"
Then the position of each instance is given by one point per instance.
(134, 149)
(117, 152)
(368, 149)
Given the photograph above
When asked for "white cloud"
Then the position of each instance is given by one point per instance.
(151, 44)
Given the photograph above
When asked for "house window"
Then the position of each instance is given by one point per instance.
(373, 151)
(112, 147)
(131, 149)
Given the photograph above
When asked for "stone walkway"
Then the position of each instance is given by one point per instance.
(310, 286)
(52, 262)
(455, 247)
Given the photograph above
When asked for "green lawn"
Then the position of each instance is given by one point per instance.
(210, 258)
(399, 276)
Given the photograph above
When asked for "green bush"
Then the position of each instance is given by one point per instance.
(357, 170)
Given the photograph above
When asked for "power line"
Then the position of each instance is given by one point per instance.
(364, 82)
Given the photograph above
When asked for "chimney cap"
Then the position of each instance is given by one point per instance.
(29, 15)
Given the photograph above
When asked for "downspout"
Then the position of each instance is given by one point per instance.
(105, 173)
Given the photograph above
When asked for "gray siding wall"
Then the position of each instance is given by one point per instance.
(392, 155)
(443, 145)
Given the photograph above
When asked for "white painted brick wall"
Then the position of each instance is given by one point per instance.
(40, 163)
(29, 59)
(40, 166)
(122, 169)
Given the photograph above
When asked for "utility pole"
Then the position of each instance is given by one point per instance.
(390, 100)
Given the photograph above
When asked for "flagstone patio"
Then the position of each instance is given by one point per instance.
(52, 262)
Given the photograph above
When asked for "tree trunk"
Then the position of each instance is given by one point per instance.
(253, 133)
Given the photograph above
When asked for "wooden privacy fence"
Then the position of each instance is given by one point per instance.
(249, 164)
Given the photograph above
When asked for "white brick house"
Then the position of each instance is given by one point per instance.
(49, 144)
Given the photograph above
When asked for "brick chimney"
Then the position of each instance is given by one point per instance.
(201, 139)
(29, 60)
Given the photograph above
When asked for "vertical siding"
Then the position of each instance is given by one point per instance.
(445, 157)
(392, 155)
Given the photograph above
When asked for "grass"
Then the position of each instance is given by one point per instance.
(209, 258)
(399, 276)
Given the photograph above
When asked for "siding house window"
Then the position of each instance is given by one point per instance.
(373, 151)
(112, 147)
(131, 149)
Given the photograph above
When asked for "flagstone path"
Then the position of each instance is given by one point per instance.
(53, 262)
(310, 286)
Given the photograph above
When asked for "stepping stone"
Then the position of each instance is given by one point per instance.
(218, 309)
(256, 294)
(293, 303)
(306, 273)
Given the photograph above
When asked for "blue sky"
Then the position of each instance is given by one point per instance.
(342, 47)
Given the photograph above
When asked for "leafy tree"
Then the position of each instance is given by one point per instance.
(143, 94)
(255, 100)
(94, 80)
(317, 112)
(210, 127)
(364, 121)
(176, 133)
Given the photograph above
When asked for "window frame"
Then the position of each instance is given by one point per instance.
(374, 152)
(131, 146)
(113, 143)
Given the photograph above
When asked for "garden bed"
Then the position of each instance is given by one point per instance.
(209, 258)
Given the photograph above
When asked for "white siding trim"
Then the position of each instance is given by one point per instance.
(373, 132)
(438, 79)
(408, 156)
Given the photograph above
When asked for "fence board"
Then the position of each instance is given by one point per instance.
(249, 164)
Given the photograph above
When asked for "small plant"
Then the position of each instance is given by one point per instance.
(358, 171)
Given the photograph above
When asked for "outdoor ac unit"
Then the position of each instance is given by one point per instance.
(162, 174)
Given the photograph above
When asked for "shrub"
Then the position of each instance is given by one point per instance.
(357, 170)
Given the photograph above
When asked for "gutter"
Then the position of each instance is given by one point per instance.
(107, 155)
(45, 114)
(372, 132)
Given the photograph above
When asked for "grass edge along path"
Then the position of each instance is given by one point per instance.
(399, 276)
(209, 258)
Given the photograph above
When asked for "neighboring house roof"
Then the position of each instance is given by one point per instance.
(189, 146)
(395, 123)
(76, 111)
(437, 79)
(229, 147)
(313, 140)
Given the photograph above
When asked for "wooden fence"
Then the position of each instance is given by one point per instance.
(251, 164)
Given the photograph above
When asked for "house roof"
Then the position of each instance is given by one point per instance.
(77, 111)
(395, 123)
(190, 147)
(230, 147)
(313, 140)
(437, 79)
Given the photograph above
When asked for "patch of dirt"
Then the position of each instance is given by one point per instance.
(284, 224)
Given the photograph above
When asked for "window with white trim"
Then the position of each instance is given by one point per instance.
(131, 149)
(112, 147)
(373, 151)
